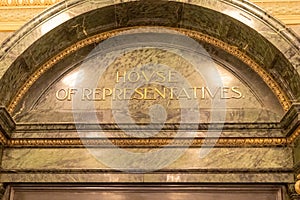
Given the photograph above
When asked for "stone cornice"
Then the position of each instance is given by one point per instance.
(127, 142)
(15, 13)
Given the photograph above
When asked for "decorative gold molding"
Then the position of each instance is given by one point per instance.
(297, 185)
(149, 142)
(293, 136)
(3, 139)
(154, 142)
(280, 94)
(273, 6)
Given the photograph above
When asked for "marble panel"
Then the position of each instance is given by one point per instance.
(245, 159)
(72, 178)
(220, 177)
(171, 178)
(296, 156)
(256, 18)
(141, 13)
(256, 103)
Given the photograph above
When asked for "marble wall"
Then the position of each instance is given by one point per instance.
(43, 144)
(222, 165)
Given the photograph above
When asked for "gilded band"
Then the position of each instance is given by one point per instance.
(151, 142)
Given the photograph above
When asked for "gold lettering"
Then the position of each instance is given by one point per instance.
(146, 94)
(161, 75)
(119, 95)
(146, 77)
(96, 91)
(172, 90)
(106, 93)
(137, 91)
(202, 92)
(210, 93)
(224, 92)
(126, 90)
(183, 94)
(163, 95)
(150, 93)
(119, 77)
(236, 91)
(171, 77)
(62, 94)
(71, 92)
(195, 92)
(137, 77)
(88, 95)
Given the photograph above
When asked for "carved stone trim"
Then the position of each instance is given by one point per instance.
(297, 185)
(37, 127)
(3, 139)
(15, 13)
(151, 142)
(7, 124)
(293, 137)
(279, 93)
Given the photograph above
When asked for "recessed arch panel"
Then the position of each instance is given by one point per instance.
(214, 19)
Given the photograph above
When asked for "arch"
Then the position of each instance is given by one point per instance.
(275, 49)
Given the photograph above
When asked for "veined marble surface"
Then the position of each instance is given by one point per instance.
(233, 165)
(82, 158)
